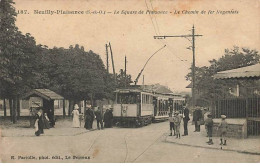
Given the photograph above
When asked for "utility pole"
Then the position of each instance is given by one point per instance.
(193, 68)
(125, 71)
(112, 59)
(193, 57)
(107, 59)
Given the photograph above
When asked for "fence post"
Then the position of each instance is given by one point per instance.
(247, 106)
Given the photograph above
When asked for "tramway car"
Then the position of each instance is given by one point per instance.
(137, 106)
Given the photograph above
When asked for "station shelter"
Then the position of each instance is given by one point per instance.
(243, 109)
(43, 98)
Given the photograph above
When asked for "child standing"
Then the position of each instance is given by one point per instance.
(209, 125)
(177, 123)
(222, 127)
(171, 124)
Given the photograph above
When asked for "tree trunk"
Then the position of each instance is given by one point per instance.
(4, 108)
(91, 99)
(11, 108)
(69, 108)
(79, 103)
(18, 108)
(15, 110)
(71, 105)
(64, 112)
(84, 105)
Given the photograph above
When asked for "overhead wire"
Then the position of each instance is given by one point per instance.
(163, 42)
(151, 17)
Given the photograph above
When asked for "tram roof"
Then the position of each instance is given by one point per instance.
(155, 89)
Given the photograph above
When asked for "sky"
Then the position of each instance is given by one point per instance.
(133, 35)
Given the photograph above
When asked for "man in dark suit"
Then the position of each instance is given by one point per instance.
(51, 117)
(186, 119)
(106, 119)
(99, 118)
(89, 117)
(197, 116)
(111, 116)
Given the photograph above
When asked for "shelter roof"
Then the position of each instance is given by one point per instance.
(44, 93)
(252, 71)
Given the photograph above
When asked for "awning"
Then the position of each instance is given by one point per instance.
(252, 71)
(44, 93)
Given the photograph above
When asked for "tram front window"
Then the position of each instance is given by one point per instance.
(128, 98)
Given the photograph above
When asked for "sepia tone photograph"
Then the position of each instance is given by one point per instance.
(129, 81)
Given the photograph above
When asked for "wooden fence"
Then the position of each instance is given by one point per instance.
(237, 108)
(248, 108)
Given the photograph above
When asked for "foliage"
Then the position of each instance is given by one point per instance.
(210, 88)
(123, 79)
(77, 74)
(74, 73)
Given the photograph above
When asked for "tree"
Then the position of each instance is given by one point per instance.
(8, 32)
(122, 79)
(210, 88)
(77, 75)
(74, 73)
(7, 39)
(17, 58)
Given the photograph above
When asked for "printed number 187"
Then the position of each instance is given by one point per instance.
(22, 12)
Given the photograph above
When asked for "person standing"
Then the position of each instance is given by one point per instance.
(36, 127)
(171, 122)
(92, 117)
(197, 117)
(39, 123)
(51, 117)
(46, 121)
(106, 119)
(222, 127)
(177, 123)
(88, 117)
(99, 118)
(111, 116)
(209, 125)
(186, 119)
(75, 114)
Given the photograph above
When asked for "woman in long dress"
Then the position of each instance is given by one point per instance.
(38, 124)
(75, 113)
(46, 121)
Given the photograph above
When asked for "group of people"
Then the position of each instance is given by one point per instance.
(222, 128)
(175, 122)
(90, 116)
(176, 119)
(43, 121)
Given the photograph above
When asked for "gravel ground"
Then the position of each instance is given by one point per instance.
(113, 145)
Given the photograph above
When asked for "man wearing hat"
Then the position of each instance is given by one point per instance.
(197, 116)
(222, 127)
(89, 117)
(99, 118)
(209, 125)
(186, 119)
(111, 116)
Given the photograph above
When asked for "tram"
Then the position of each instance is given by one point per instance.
(136, 106)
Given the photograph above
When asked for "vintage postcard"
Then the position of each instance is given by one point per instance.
(129, 81)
